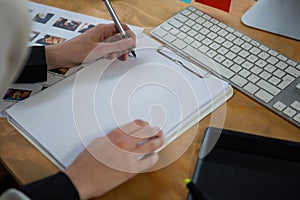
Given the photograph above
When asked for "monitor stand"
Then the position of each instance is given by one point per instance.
(277, 16)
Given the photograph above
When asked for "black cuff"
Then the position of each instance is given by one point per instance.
(57, 187)
(35, 69)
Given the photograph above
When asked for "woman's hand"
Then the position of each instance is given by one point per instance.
(101, 41)
(111, 160)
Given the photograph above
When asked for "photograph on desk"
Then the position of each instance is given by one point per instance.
(67, 24)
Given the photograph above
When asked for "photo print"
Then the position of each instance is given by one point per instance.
(16, 95)
(67, 24)
(33, 35)
(50, 40)
(43, 17)
(86, 27)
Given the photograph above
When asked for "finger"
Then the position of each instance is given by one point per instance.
(146, 132)
(150, 145)
(121, 45)
(133, 126)
(130, 33)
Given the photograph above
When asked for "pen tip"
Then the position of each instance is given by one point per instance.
(187, 180)
(133, 53)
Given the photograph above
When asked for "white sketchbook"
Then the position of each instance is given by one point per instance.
(64, 118)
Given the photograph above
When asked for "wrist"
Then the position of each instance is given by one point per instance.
(54, 56)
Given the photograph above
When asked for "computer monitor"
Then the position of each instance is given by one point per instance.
(277, 16)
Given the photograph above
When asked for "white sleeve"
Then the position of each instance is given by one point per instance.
(13, 194)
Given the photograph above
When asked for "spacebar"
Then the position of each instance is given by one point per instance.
(208, 62)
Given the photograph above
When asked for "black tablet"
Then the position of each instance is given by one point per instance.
(246, 166)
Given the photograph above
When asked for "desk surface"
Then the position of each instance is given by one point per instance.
(26, 164)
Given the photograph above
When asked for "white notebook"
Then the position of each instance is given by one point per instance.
(64, 118)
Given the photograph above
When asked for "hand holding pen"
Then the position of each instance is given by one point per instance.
(117, 22)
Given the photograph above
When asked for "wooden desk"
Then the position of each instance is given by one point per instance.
(26, 164)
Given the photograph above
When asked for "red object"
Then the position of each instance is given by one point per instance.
(219, 4)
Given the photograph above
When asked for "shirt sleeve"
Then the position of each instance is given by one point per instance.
(57, 187)
(35, 69)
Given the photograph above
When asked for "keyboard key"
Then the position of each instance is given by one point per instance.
(252, 58)
(282, 57)
(181, 17)
(251, 88)
(253, 78)
(196, 44)
(222, 33)
(264, 96)
(206, 41)
(214, 46)
(236, 68)
(279, 73)
(199, 37)
(204, 31)
(169, 38)
(230, 55)
(292, 71)
(204, 49)
(219, 58)
(207, 24)
(281, 65)
(212, 35)
(219, 40)
(179, 44)
(235, 49)
(297, 118)
(193, 16)
(291, 62)
(247, 65)
(265, 75)
(230, 37)
(215, 28)
(240, 81)
(189, 40)
(256, 70)
(247, 46)
(274, 80)
(296, 105)
(272, 60)
(222, 51)
(239, 60)
(192, 32)
(227, 63)
(197, 27)
(160, 32)
(272, 52)
(261, 63)
(167, 26)
(190, 23)
(255, 50)
(244, 73)
(279, 106)
(227, 44)
(270, 68)
(181, 35)
(287, 80)
(185, 28)
(289, 112)
(174, 31)
(263, 55)
(238, 41)
(267, 86)
(244, 53)
(175, 23)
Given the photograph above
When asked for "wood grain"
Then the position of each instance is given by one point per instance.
(26, 164)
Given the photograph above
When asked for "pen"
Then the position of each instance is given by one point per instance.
(195, 190)
(116, 21)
